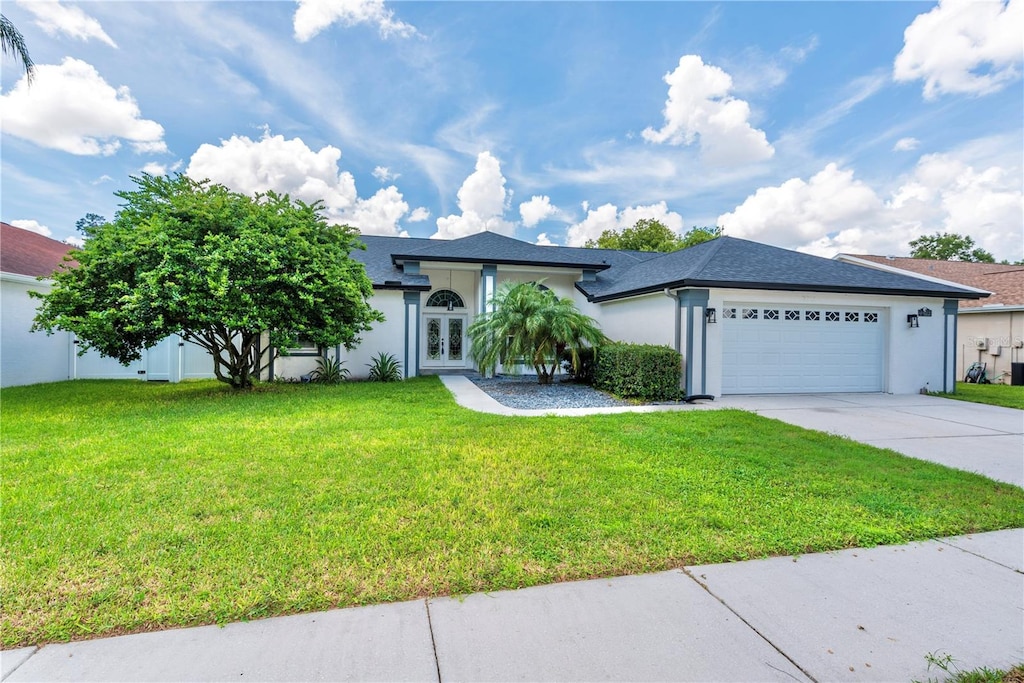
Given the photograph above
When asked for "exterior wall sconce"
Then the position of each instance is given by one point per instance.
(709, 315)
(912, 320)
(924, 312)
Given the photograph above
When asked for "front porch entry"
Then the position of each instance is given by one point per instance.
(444, 340)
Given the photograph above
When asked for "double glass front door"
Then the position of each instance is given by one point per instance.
(444, 340)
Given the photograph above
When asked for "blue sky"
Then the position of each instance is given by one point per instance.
(823, 127)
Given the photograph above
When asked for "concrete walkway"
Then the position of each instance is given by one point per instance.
(969, 436)
(854, 615)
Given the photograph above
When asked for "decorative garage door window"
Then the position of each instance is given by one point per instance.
(768, 314)
(775, 348)
(442, 297)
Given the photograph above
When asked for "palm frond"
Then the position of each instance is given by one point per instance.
(13, 43)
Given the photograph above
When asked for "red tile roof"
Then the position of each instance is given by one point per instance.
(27, 253)
(1005, 282)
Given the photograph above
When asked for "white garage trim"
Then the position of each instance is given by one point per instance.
(783, 348)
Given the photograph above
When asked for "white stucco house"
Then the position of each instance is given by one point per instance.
(747, 318)
(28, 357)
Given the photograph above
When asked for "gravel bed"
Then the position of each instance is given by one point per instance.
(525, 392)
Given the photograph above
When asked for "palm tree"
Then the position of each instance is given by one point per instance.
(12, 43)
(532, 323)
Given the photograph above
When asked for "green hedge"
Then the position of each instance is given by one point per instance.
(641, 371)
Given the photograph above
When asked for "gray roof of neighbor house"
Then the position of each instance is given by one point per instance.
(23, 252)
(723, 262)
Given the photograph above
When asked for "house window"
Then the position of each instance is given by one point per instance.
(750, 314)
(871, 317)
(812, 315)
(852, 317)
(445, 298)
(792, 315)
(728, 313)
(303, 346)
(832, 316)
(771, 314)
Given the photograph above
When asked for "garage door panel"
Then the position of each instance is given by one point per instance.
(775, 348)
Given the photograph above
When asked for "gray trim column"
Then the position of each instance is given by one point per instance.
(691, 331)
(950, 308)
(411, 365)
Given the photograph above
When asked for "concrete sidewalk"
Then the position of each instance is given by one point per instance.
(855, 615)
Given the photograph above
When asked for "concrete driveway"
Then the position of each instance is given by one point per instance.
(968, 436)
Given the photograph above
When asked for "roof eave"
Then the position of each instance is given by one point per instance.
(398, 259)
(787, 287)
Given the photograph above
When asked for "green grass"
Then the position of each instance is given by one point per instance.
(992, 394)
(131, 506)
(954, 674)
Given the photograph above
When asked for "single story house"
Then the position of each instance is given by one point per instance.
(28, 357)
(990, 330)
(747, 318)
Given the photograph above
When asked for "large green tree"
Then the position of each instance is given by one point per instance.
(13, 43)
(532, 323)
(238, 275)
(949, 246)
(649, 234)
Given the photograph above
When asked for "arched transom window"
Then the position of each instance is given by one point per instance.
(445, 298)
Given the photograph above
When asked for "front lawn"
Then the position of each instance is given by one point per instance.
(131, 506)
(992, 394)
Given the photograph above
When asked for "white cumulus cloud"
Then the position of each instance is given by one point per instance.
(544, 241)
(906, 144)
(419, 214)
(798, 212)
(608, 217)
(313, 16)
(537, 209)
(290, 166)
(32, 226)
(483, 200)
(384, 174)
(55, 18)
(963, 46)
(155, 168)
(835, 212)
(700, 109)
(71, 108)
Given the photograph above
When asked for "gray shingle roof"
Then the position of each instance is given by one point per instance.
(723, 262)
(742, 264)
(382, 271)
(490, 247)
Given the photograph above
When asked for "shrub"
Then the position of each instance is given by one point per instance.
(329, 371)
(584, 373)
(385, 368)
(643, 371)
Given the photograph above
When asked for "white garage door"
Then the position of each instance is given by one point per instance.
(783, 349)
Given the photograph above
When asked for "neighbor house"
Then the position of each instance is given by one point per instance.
(991, 330)
(746, 317)
(28, 357)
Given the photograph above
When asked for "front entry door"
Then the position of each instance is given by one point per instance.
(444, 340)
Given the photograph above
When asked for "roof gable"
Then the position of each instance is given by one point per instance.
(24, 252)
